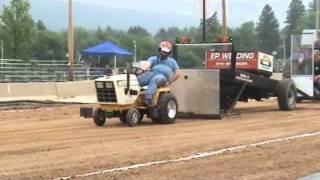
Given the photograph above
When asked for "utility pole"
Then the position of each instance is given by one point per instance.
(317, 19)
(224, 19)
(204, 20)
(70, 41)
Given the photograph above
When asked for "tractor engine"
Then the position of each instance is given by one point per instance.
(117, 90)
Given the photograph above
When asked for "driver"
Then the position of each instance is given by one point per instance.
(163, 71)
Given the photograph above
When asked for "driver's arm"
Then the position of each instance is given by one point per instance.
(175, 76)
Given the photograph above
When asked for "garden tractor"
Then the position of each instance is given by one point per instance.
(121, 96)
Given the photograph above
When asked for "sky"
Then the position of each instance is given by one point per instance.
(151, 14)
(239, 11)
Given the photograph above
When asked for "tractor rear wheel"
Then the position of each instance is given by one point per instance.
(168, 108)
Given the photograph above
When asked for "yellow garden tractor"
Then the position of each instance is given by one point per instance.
(122, 97)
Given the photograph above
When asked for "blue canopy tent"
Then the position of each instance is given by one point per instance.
(107, 49)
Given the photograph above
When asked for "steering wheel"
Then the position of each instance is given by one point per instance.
(137, 71)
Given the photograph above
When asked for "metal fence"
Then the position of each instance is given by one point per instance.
(16, 70)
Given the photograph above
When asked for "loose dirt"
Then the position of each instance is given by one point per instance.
(52, 142)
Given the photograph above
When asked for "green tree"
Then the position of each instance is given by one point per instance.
(192, 32)
(169, 34)
(173, 32)
(213, 29)
(245, 36)
(308, 20)
(46, 44)
(41, 26)
(268, 31)
(161, 34)
(18, 27)
(295, 15)
(100, 34)
(83, 39)
(138, 30)
(49, 45)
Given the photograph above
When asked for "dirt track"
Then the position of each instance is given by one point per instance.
(55, 142)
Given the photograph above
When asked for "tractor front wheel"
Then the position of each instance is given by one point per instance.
(99, 117)
(132, 117)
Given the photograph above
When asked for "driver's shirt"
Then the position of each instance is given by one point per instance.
(166, 67)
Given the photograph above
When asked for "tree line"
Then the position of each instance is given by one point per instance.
(23, 38)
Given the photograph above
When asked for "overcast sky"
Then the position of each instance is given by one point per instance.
(239, 11)
(151, 14)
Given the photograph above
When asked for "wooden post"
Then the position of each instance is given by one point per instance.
(224, 19)
(70, 41)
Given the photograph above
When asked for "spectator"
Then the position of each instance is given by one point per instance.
(299, 66)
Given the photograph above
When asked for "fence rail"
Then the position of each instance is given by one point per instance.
(16, 70)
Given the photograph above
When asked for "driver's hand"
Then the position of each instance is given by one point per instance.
(139, 71)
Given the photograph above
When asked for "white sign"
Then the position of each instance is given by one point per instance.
(265, 62)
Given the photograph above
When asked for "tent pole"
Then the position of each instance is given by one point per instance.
(135, 50)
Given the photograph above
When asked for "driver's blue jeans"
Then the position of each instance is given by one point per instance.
(153, 80)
